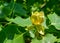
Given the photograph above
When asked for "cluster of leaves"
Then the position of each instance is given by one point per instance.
(16, 26)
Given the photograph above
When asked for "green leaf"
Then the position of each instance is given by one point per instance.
(18, 9)
(44, 23)
(35, 41)
(55, 20)
(0, 27)
(22, 22)
(58, 40)
(17, 39)
(8, 41)
(49, 38)
(10, 30)
(1, 12)
(6, 11)
(32, 34)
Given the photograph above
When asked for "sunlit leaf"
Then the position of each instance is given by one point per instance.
(32, 34)
(55, 20)
(58, 40)
(35, 41)
(44, 23)
(8, 41)
(22, 22)
(49, 38)
(18, 39)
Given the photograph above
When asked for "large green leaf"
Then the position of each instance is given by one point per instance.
(10, 30)
(22, 22)
(49, 38)
(18, 9)
(55, 20)
(17, 39)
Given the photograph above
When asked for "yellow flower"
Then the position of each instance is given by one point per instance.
(37, 17)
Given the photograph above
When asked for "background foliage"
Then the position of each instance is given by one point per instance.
(15, 24)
